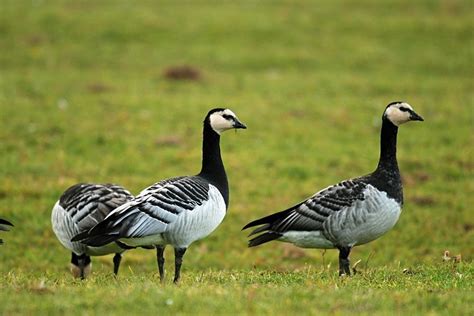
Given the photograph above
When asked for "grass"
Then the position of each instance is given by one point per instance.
(433, 289)
(83, 97)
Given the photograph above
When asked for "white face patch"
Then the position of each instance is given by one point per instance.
(219, 124)
(397, 116)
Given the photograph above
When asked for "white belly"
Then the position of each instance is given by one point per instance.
(307, 239)
(104, 250)
(151, 240)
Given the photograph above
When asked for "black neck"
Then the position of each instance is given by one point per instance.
(78, 260)
(387, 176)
(212, 165)
(388, 145)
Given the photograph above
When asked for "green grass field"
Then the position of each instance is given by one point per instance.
(83, 98)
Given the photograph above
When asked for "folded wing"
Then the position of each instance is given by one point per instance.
(150, 213)
(311, 214)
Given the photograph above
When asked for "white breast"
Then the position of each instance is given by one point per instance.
(192, 225)
(365, 221)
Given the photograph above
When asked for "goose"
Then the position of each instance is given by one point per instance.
(80, 208)
(350, 213)
(176, 211)
(4, 226)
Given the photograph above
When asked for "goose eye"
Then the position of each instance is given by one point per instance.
(403, 109)
(227, 117)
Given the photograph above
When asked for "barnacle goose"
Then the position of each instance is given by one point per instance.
(176, 211)
(79, 209)
(4, 226)
(352, 212)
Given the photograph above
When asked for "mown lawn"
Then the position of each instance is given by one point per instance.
(84, 98)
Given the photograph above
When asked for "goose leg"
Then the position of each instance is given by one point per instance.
(178, 260)
(117, 259)
(161, 261)
(344, 268)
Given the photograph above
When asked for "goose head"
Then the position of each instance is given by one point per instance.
(80, 266)
(220, 120)
(400, 112)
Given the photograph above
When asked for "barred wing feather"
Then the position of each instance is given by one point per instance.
(310, 215)
(151, 212)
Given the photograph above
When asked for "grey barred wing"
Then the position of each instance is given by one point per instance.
(312, 213)
(158, 185)
(88, 204)
(155, 209)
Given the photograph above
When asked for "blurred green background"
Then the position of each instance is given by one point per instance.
(88, 94)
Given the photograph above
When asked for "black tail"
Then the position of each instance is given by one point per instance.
(5, 226)
(4, 223)
(99, 235)
(267, 222)
(263, 238)
(270, 219)
(95, 240)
